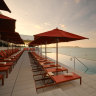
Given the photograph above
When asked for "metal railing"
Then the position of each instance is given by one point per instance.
(75, 58)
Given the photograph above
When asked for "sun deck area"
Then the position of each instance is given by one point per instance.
(20, 82)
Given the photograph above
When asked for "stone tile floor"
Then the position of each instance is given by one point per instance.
(21, 83)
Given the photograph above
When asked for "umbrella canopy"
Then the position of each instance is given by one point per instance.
(15, 38)
(55, 36)
(7, 24)
(12, 38)
(31, 45)
(3, 6)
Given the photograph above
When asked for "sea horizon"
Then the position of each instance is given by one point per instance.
(66, 55)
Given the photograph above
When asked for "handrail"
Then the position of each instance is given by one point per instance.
(79, 61)
(82, 64)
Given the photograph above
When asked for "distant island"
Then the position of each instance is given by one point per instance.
(71, 46)
(64, 47)
(27, 37)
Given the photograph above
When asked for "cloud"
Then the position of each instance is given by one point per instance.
(93, 18)
(62, 26)
(38, 26)
(47, 24)
(77, 1)
(65, 3)
(81, 13)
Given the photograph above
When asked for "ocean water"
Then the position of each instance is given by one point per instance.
(84, 58)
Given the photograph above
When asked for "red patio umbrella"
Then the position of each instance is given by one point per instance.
(7, 25)
(12, 37)
(16, 39)
(55, 36)
(3, 6)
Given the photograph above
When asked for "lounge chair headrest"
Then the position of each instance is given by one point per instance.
(68, 74)
(50, 73)
(2, 62)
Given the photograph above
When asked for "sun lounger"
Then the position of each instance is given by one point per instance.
(4, 64)
(56, 69)
(57, 79)
(2, 78)
(49, 76)
(5, 69)
(8, 56)
(65, 78)
(50, 66)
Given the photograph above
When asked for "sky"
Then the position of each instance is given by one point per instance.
(37, 16)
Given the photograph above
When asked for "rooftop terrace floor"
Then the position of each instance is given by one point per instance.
(21, 83)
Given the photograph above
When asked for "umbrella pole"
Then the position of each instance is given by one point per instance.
(8, 46)
(57, 54)
(12, 47)
(45, 52)
(20, 46)
(0, 40)
(38, 49)
(41, 50)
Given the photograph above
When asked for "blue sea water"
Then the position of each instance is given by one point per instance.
(86, 58)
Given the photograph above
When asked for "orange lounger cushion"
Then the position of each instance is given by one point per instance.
(62, 78)
(6, 63)
(48, 66)
(56, 70)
